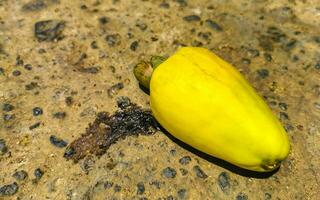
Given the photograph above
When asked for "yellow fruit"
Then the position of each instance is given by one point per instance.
(205, 102)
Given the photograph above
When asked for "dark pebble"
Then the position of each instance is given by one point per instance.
(224, 182)
(316, 39)
(16, 73)
(36, 125)
(113, 90)
(108, 184)
(182, 193)
(157, 184)
(104, 20)
(9, 190)
(57, 141)
(267, 57)
(283, 106)
(19, 61)
(246, 61)
(117, 188)
(59, 115)
(1, 71)
(69, 101)
(143, 198)
(31, 86)
(20, 175)
(113, 39)
(170, 197)
(3, 147)
(37, 111)
(69, 152)
(283, 116)
(267, 196)
(169, 172)
(182, 3)
(134, 45)
(38, 173)
(142, 26)
(183, 171)
(191, 18)
(317, 66)
(140, 188)
(8, 117)
(164, 5)
(7, 107)
(213, 25)
(289, 45)
(199, 172)
(263, 73)
(49, 30)
(28, 67)
(185, 160)
(94, 45)
(34, 5)
(241, 196)
(123, 102)
(253, 53)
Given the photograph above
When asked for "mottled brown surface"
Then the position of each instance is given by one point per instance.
(78, 69)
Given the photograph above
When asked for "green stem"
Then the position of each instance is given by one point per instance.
(143, 70)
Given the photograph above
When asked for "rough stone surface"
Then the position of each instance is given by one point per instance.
(74, 59)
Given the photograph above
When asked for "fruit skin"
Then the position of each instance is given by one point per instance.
(205, 102)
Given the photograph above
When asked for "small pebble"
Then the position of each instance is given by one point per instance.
(183, 171)
(123, 102)
(7, 107)
(1, 71)
(246, 61)
(263, 73)
(104, 20)
(16, 73)
(134, 45)
(170, 197)
(49, 30)
(267, 57)
(69, 101)
(224, 182)
(59, 115)
(185, 160)
(182, 193)
(140, 188)
(164, 5)
(283, 106)
(169, 172)
(317, 66)
(38, 173)
(192, 18)
(142, 26)
(108, 184)
(199, 172)
(7, 117)
(267, 196)
(36, 125)
(182, 3)
(213, 25)
(57, 141)
(37, 111)
(3, 147)
(283, 116)
(117, 188)
(20, 175)
(9, 190)
(241, 196)
(28, 67)
(113, 90)
(113, 39)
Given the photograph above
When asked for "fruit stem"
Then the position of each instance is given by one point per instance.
(143, 70)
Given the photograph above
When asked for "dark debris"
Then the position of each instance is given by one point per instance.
(49, 30)
(108, 129)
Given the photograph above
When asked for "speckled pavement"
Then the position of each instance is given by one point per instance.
(63, 62)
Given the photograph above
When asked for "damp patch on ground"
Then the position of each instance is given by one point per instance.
(128, 120)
